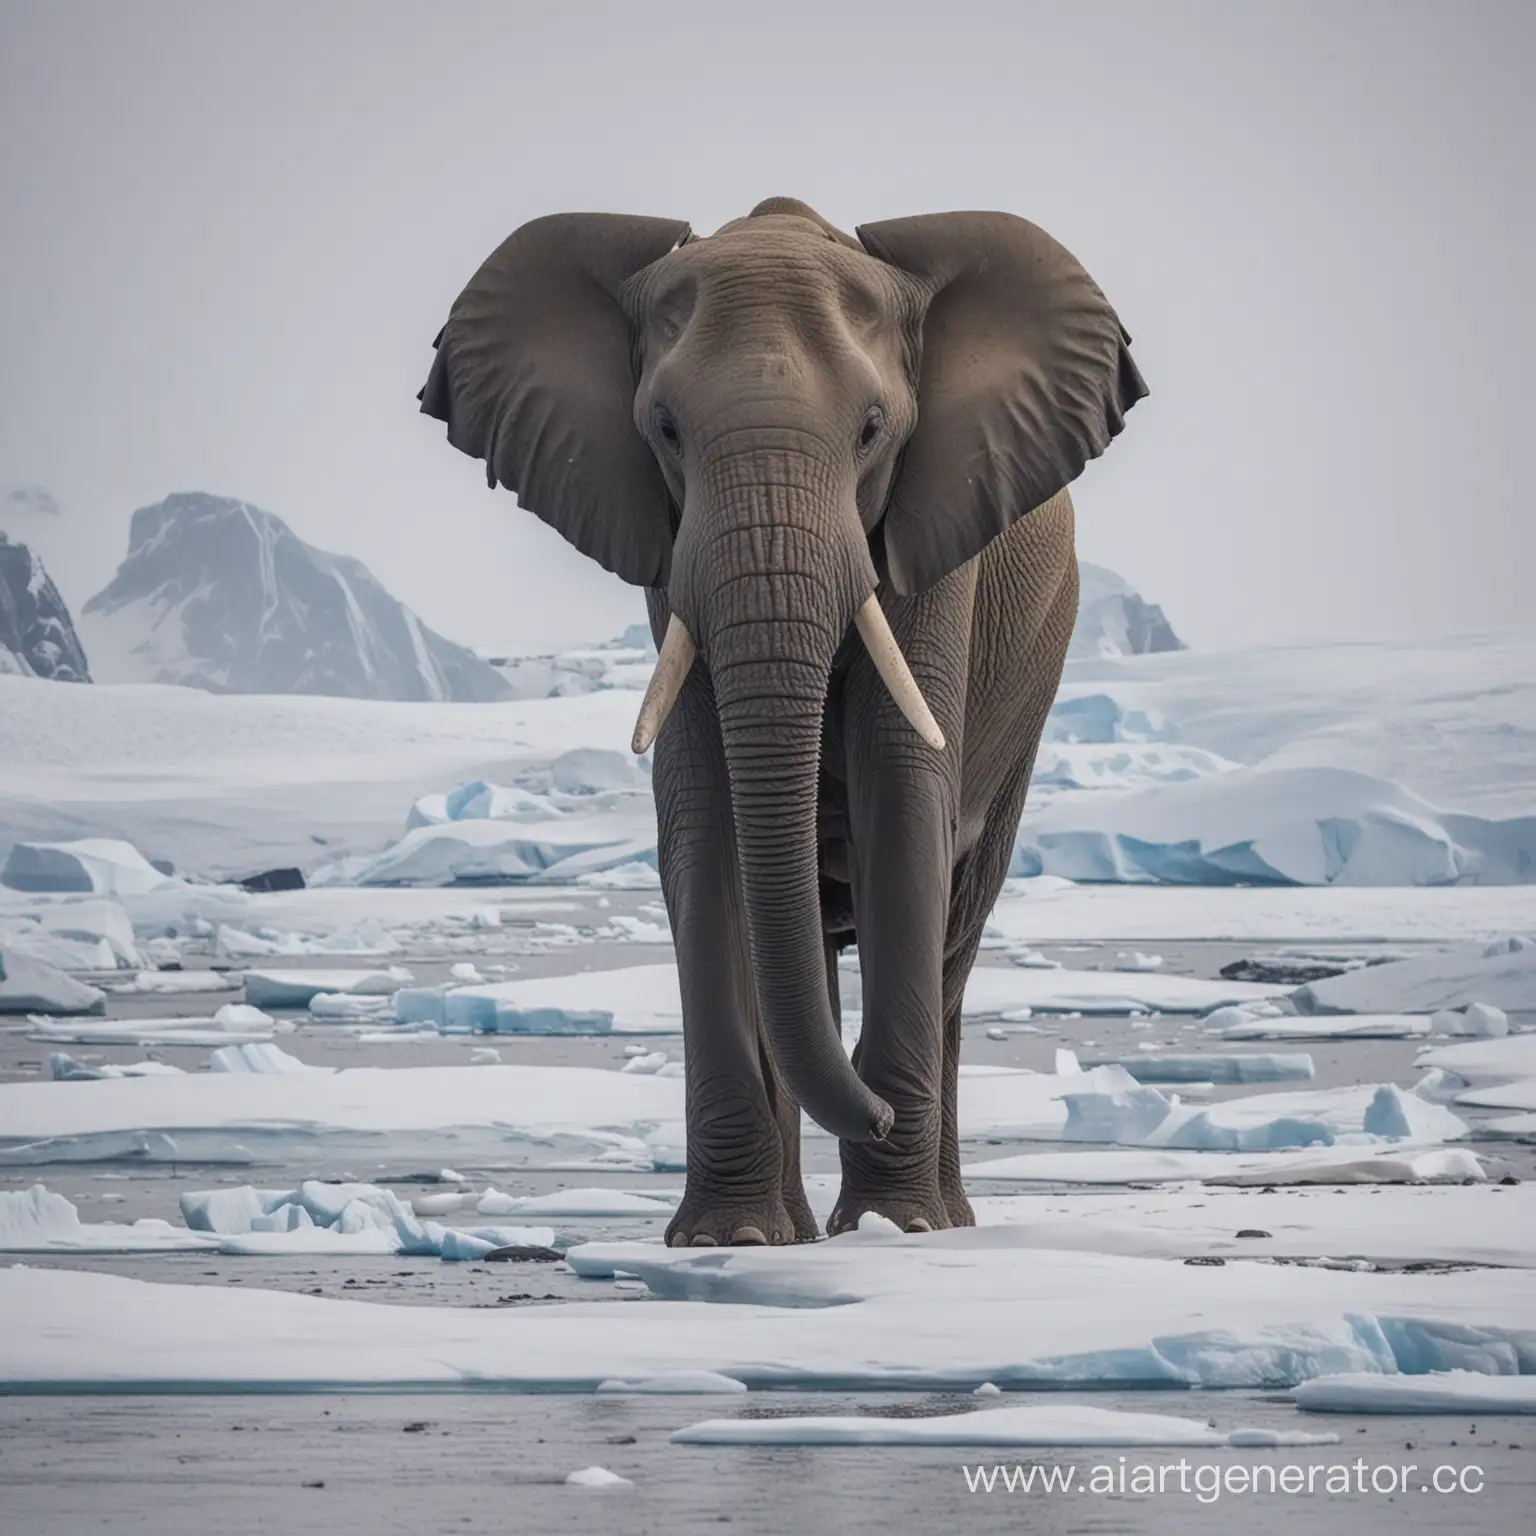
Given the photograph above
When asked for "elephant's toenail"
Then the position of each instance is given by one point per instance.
(749, 1237)
(918, 1224)
(677, 1240)
(703, 1240)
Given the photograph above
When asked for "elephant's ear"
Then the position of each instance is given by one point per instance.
(1025, 376)
(535, 374)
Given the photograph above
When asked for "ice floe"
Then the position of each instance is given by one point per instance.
(1450, 1392)
(257, 1057)
(1341, 1026)
(177, 983)
(501, 1114)
(1030, 1424)
(295, 989)
(147, 1032)
(1212, 1067)
(642, 999)
(993, 992)
(34, 986)
(339, 1218)
(947, 1311)
(37, 1220)
(1500, 974)
(1335, 1165)
(63, 1068)
(597, 1477)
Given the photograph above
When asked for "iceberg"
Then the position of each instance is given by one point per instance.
(103, 866)
(81, 935)
(1276, 825)
(643, 999)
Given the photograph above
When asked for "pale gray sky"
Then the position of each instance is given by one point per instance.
(229, 232)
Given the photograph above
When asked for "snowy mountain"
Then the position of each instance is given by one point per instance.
(37, 638)
(217, 594)
(1113, 619)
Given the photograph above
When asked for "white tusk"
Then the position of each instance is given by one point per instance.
(677, 653)
(894, 672)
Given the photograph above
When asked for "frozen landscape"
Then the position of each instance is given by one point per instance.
(1248, 1105)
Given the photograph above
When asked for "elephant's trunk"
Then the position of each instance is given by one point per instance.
(768, 573)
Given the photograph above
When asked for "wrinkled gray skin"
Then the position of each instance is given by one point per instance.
(764, 427)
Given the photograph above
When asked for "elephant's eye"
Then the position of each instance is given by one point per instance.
(874, 421)
(666, 429)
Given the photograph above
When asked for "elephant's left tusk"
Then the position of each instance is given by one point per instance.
(677, 653)
(894, 672)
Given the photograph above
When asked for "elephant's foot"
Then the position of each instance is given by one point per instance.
(725, 1221)
(911, 1211)
(956, 1205)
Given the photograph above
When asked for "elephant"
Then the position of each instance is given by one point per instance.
(838, 465)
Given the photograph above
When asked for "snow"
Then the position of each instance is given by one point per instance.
(296, 989)
(38, 1221)
(1048, 910)
(1340, 1164)
(1391, 1225)
(1034, 1424)
(33, 986)
(944, 1312)
(103, 865)
(597, 1477)
(1322, 704)
(1451, 1392)
(1453, 978)
(254, 1058)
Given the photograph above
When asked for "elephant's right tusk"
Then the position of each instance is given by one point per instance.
(677, 653)
(894, 672)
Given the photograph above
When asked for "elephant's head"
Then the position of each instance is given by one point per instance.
(767, 424)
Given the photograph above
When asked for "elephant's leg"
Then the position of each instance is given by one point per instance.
(737, 1110)
(981, 872)
(903, 801)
